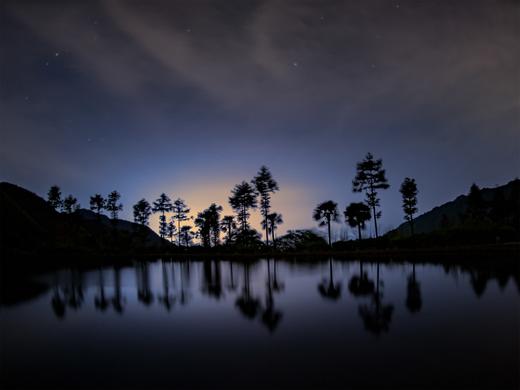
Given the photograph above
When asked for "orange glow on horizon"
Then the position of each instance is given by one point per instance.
(198, 195)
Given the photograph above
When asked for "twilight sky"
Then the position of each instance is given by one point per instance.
(191, 97)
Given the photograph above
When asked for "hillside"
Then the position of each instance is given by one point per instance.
(452, 214)
(30, 226)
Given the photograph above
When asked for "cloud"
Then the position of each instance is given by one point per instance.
(299, 55)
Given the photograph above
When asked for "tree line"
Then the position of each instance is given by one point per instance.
(246, 197)
(256, 194)
(209, 223)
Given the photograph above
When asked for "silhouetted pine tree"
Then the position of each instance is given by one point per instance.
(162, 205)
(54, 198)
(142, 212)
(242, 199)
(370, 177)
(202, 223)
(70, 204)
(112, 205)
(180, 214)
(186, 235)
(208, 222)
(97, 204)
(325, 213)
(171, 230)
(228, 226)
(409, 192)
(214, 211)
(265, 185)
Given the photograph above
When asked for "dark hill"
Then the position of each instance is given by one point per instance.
(454, 214)
(29, 226)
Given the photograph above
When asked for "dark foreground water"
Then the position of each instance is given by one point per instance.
(219, 324)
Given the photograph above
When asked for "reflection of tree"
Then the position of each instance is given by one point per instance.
(277, 285)
(376, 315)
(118, 299)
(185, 282)
(144, 293)
(58, 301)
(413, 297)
(74, 292)
(212, 280)
(270, 316)
(329, 289)
(101, 301)
(247, 304)
(166, 298)
(231, 285)
(479, 280)
(361, 285)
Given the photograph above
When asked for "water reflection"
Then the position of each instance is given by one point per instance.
(257, 316)
(360, 285)
(247, 303)
(144, 293)
(212, 280)
(168, 283)
(232, 286)
(100, 301)
(271, 316)
(118, 300)
(376, 315)
(166, 299)
(58, 299)
(413, 296)
(327, 288)
(184, 294)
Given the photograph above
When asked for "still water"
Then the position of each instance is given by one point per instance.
(268, 323)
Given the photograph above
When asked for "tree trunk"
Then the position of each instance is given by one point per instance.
(411, 224)
(272, 236)
(179, 231)
(243, 219)
(328, 224)
(375, 219)
(266, 229)
(359, 231)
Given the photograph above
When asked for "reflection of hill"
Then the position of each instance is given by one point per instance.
(15, 291)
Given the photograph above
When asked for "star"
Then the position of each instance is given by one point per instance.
(46, 63)
(188, 30)
(295, 63)
(57, 54)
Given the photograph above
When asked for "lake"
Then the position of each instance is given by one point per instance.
(267, 323)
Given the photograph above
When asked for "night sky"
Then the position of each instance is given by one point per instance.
(192, 97)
